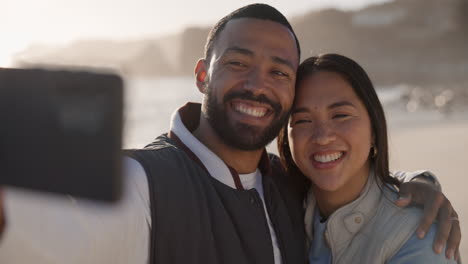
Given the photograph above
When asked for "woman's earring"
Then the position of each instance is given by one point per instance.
(374, 151)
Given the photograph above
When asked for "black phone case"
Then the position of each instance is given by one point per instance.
(61, 131)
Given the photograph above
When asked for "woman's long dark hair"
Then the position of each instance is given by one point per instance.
(363, 87)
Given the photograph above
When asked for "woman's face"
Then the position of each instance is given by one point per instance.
(330, 132)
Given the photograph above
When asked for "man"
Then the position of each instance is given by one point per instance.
(215, 197)
(207, 192)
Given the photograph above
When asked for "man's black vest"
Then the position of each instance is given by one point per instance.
(197, 219)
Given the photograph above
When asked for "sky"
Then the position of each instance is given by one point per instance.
(27, 22)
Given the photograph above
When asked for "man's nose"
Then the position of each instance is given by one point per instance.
(323, 133)
(256, 81)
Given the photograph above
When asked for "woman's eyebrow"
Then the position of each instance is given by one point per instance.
(341, 103)
(334, 105)
(299, 110)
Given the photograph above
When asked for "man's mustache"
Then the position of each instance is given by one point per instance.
(247, 95)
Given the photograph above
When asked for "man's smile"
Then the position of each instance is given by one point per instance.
(250, 109)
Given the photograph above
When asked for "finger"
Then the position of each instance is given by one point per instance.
(453, 241)
(444, 227)
(405, 196)
(457, 256)
(2, 214)
(404, 200)
(431, 209)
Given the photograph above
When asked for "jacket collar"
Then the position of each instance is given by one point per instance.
(183, 122)
(345, 222)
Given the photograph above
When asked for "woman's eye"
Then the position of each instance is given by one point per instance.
(339, 116)
(301, 121)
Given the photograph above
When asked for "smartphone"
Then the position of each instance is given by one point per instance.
(61, 131)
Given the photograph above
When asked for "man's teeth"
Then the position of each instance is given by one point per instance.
(252, 111)
(328, 157)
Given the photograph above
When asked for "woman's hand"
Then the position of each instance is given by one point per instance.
(436, 208)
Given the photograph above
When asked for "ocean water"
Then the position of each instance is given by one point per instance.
(149, 104)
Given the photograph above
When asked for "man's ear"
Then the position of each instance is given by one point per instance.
(200, 74)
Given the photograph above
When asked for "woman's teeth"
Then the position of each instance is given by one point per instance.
(328, 157)
(249, 110)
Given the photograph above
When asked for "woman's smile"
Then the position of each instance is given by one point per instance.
(327, 159)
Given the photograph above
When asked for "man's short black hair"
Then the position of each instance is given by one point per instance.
(258, 11)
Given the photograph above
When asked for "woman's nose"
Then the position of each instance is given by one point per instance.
(323, 133)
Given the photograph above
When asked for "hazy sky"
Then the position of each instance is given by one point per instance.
(24, 22)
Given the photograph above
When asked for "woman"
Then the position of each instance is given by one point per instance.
(337, 138)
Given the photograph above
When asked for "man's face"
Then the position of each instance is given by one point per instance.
(250, 81)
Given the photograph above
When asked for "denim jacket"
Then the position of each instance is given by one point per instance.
(371, 229)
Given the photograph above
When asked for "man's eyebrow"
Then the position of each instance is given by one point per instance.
(284, 62)
(341, 103)
(236, 49)
(244, 51)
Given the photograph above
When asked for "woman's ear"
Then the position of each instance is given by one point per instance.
(200, 74)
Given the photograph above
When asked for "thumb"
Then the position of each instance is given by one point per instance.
(404, 198)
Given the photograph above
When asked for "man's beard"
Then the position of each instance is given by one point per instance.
(239, 135)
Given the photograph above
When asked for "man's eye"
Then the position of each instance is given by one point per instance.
(280, 73)
(237, 63)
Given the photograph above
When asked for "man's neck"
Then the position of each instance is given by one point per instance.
(242, 161)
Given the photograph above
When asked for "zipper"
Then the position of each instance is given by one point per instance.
(274, 224)
(260, 206)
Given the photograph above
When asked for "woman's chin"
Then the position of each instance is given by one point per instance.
(328, 185)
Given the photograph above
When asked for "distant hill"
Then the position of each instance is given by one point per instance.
(404, 41)
(411, 41)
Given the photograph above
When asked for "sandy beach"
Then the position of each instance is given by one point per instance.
(443, 149)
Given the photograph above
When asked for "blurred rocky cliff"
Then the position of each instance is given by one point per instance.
(417, 42)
